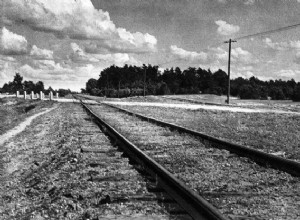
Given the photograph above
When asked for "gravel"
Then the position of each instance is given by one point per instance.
(238, 187)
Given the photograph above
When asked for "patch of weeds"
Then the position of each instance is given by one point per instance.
(28, 108)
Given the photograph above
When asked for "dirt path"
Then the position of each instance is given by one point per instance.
(21, 127)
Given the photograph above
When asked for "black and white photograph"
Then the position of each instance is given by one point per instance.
(150, 109)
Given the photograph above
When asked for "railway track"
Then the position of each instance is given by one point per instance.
(258, 156)
(129, 191)
(191, 205)
(86, 175)
(236, 186)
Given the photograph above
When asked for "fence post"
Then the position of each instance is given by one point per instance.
(51, 96)
(41, 95)
(17, 94)
(25, 95)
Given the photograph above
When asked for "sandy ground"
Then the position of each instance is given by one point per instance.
(21, 127)
(207, 107)
(75, 101)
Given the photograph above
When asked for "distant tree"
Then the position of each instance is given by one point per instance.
(29, 86)
(115, 79)
(296, 94)
(249, 92)
(91, 85)
(39, 86)
(64, 92)
(163, 89)
(17, 83)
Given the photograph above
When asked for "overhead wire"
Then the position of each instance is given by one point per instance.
(268, 32)
(241, 38)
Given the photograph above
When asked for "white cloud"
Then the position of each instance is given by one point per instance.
(188, 55)
(238, 55)
(282, 45)
(11, 43)
(242, 56)
(218, 54)
(249, 2)
(118, 59)
(226, 29)
(57, 76)
(79, 56)
(77, 19)
(41, 54)
(287, 73)
(7, 58)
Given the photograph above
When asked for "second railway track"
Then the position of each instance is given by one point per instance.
(238, 187)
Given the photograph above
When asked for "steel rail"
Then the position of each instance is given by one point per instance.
(195, 205)
(260, 157)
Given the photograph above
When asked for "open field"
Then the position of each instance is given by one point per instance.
(269, 104)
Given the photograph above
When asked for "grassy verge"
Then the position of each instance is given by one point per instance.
(13, 111)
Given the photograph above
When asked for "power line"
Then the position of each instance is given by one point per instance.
(268, 32)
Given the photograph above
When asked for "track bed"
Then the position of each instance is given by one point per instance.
(69, 169)
(238, 187)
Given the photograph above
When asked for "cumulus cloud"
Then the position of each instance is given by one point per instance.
(188, 55)
(243, 56)
(79, 56)
(218, 54)
(282, 45)
(287, 73)
(41, 54)
(226, 29)
(77, 19)
(11, 43)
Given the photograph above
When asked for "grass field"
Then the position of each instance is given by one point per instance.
(206, 98)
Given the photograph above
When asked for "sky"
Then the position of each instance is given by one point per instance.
(66, 42)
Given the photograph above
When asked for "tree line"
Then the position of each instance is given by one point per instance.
(128, 80)
(19, 85)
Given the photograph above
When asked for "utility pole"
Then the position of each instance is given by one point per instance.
(145, 81)
(119, 90)
(229, 55)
